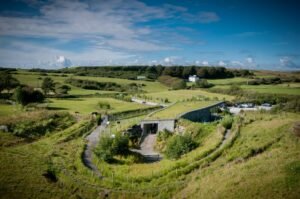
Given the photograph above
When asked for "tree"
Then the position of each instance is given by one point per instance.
(203, 83)
(62, 89)
(7, 81)
(48, 85)
(109, 146)
(187, 71)
(178, 145)
(25, 95)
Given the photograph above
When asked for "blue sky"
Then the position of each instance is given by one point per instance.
(249, 34)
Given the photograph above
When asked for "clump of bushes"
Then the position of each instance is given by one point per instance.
(94, 85)
(203, 83)
(110, 146)
(227, 121)
(25, 95)
(173, 82)
(178, 145)
(104, 105)
(36, 127)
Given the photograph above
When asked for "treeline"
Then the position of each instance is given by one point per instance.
(255, 97)
(153, 72)
(173, 82)
(273, 80)
(107, 86)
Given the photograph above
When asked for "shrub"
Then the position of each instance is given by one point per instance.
(203, 83)
(37, 127)
(179, 145)
(26, 95)
(108, 147)
(173, 82)
(104, 105)
(227, 121)
(163, 135)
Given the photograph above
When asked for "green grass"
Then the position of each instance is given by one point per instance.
(272, 173)
(178, 95)
(244, 174)
(32, 79)
(7, 109)
(89, 105)
(180, 107)
(289, 89)
(235, 80)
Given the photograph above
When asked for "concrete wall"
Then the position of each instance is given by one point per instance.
(200, 115)
(161, 124)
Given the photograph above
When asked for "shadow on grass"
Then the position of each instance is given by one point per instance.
(57, 108)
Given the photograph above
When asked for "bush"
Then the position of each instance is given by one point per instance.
(173, 82)
(35, 128)
(108, 147)
(227, 122)
(179, 145)
(104, 105)
(203, 83)
(26, 95)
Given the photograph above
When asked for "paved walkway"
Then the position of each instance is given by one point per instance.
(93, 139)
(147, 148)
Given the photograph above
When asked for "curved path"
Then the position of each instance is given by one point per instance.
(93, 139)
(147, 149)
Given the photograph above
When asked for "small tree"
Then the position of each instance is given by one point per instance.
(203, 83)
(109, 146)
(48, 85)
(7, 81)
(62, 89)
(26, 95)
(179, 145)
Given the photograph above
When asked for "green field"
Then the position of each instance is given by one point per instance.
(180, 107)
(88, 105)
(289, 89)
(178, 95)
(7, 109)
(243, 173)
(258, 158)
(33, 80)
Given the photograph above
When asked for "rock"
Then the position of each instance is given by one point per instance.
(3, 128)
(296, 129)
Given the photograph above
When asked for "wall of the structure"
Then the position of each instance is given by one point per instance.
(161, 125)
(200, 115)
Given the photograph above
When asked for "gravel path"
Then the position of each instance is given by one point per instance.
(93, 139)
(147, 148)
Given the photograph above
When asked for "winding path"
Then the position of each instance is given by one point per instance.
(93, 139)
(147, 149)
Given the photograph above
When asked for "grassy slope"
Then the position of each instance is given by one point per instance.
(180, 107)
(32, 80)
(88, 105)
(273, 173)
(7, 109)
(177, 95)
(290, 89)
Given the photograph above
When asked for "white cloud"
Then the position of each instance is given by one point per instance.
(63, 61)
(171, 60)
(287, 62)
(237, 63)
(207, 17)
(205, 63)
(250, 60)
(222, 63)
(111, 31)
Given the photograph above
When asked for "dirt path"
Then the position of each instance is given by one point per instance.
(147, 149)
(93, 139)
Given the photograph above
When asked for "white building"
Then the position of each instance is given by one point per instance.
(193, 78)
